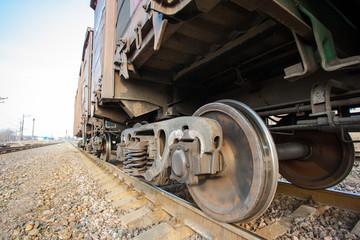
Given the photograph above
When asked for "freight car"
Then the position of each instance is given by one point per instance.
(222, 95)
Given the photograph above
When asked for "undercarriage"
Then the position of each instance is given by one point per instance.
(229, 156)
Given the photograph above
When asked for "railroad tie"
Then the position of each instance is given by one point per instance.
(111, 186)
(165, 231)
(105, 180)
(279, 228)
(113, 194)
(95, 172)
(144, 217)
(130, 202)
(121, 194)
(356, 229)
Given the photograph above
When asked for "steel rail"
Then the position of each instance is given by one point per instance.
(193, 217)
(4, 150)
(338, 199)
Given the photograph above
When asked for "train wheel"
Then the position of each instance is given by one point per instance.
(106, 147)
(246, 186)
(328, 163)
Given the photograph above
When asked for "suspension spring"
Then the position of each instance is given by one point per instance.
(136, 160)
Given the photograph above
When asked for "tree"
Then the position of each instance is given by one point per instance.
(7, 135)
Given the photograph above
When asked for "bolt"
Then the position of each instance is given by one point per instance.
(156, 206)
(140, 195)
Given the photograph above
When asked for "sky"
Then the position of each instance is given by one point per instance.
(40, 55)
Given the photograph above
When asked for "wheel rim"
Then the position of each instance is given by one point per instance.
(247, 184)
(329, 162)
(106, 148)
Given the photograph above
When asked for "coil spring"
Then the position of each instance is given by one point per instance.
(135, 160)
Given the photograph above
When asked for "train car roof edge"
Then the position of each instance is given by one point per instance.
(87, 35)
(93, 4)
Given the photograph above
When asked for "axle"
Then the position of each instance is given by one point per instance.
(293, 150)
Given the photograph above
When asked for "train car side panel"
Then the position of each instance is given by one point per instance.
(78, 110)
(104, 34)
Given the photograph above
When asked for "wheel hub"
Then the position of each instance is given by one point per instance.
(178, 162)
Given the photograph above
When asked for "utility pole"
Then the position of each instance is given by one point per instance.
(22, 127)
(20, 131)
(32, 135)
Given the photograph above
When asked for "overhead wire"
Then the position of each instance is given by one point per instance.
(9, 121)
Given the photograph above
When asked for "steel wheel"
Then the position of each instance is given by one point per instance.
(329, 162)
(246, 186)
(106, 147)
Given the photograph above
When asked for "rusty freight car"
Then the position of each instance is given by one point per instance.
(83, 93)
(223, 95)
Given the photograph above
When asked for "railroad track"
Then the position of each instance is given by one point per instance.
(8, 149)
(166, 216)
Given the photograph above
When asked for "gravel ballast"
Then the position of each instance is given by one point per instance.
(46, 193)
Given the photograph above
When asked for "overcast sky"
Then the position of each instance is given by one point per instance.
(40, 53)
